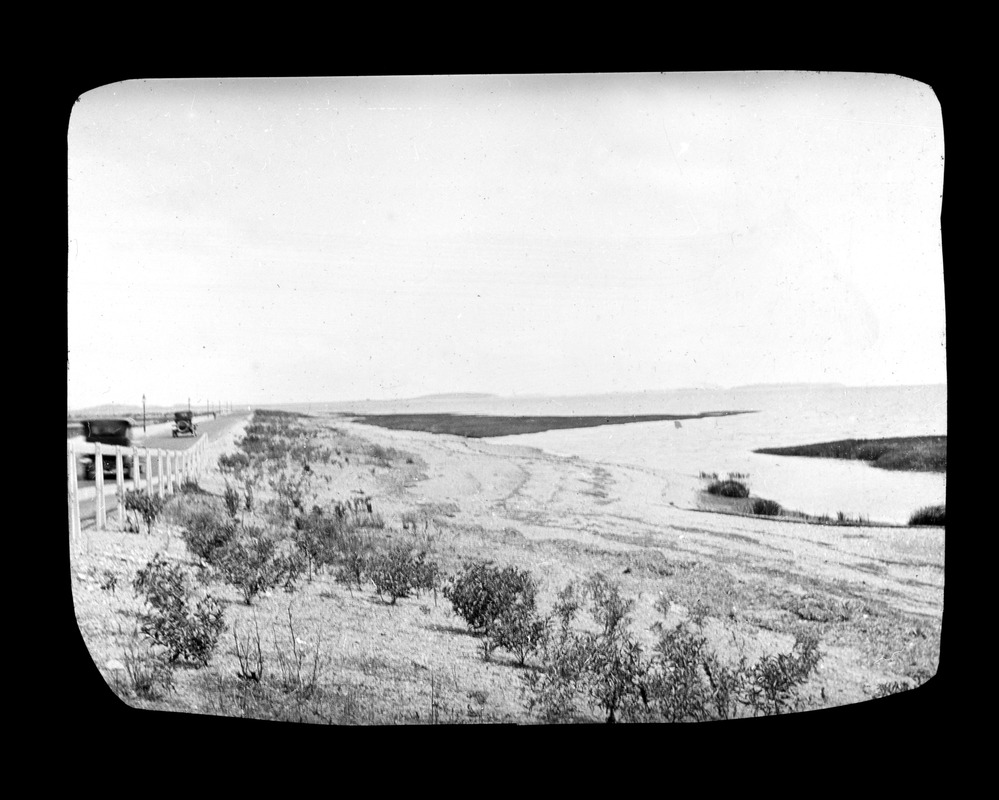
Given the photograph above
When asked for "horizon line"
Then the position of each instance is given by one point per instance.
(533, 395)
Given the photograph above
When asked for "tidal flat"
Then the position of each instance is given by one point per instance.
(481, 426)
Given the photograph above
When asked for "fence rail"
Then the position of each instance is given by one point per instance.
(173, 467)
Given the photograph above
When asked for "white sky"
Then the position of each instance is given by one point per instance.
(335, 239)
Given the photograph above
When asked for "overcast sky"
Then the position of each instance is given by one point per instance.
(335, 239)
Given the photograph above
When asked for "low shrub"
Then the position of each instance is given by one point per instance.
(144, 505)
(676, 689)
(297, 672)
(766, 508)
(728, 488)
(383, 455)
(772, 682)
(249, 654)
(929, 515)
(109, 581)
(191, 486)
(252, 563)
(681, 680)
(354, 549)
(234, 463)
(398, 570)
(603, 670)
(232, 499)
(184, 625)
(481, 592)
(316, 539)
(517, 629)
(293, 490)
(553, 689)
(290, 686)
(205, 533)
(147, 674)
(897, 687)
(500, 605)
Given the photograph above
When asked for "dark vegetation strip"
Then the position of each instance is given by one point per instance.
(477, 426)
(919, 453)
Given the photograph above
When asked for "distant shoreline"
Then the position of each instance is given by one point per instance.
(914, 453)
(480, 426)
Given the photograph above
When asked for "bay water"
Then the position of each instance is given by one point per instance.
(780, 416)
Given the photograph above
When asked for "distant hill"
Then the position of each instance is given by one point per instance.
(453, 396)
(135, 412)
(749, 387)
(116, 410)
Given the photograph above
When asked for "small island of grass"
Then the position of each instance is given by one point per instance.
(915, 453)
(477, 426)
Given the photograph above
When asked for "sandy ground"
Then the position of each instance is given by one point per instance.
(875, 595)
(620, 507)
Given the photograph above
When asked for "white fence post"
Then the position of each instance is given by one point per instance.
(74, 497)
(99, 486)
(119, 474)
(136, 471)
(159, 473)
(149, 471)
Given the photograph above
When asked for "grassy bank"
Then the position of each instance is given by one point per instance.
(916, 453)
(477, 426)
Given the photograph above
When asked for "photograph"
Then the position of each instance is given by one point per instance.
(529, 399)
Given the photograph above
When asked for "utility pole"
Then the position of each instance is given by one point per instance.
(143, 413)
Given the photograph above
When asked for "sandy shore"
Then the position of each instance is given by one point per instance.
(543, 496)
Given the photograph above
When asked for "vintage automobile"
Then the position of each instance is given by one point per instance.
(113, 431)
(184, 424)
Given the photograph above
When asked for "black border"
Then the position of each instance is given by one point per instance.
(91, 723)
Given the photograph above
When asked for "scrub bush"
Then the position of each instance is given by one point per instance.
(251, 562)
(728, 488)
(206, 534)
(482, 592)
(186, 626)
(398, 571)
(766, 508)
(145, 505)
(602, 669)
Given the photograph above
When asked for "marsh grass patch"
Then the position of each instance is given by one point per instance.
(929, 515)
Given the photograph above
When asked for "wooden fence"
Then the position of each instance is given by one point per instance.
(172, 468)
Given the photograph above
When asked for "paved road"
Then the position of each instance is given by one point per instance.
(158, 437)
